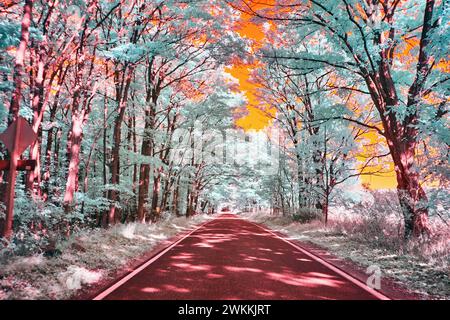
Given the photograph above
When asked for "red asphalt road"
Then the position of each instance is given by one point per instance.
(231, 258)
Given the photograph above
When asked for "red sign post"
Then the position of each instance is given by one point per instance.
(16, 138)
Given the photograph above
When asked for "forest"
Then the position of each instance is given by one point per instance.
(117, 113)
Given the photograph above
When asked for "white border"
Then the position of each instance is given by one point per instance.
(119, 283)
(356, 281)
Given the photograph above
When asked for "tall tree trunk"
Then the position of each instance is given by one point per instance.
(34, 176)
(122, 89)
(135, 166)
(102, 219)
(189, 202)
(176, 195)
(325, 208)
(131, 210)
(204, 205)
(168, 184)
(147, 147)
(195, 206)
(74, 157)
(144, 171)
(402, 144)
(51, 156)
(402, 135)
(156, 210)
(56, 159)
(115, 167)
(165, 192)
(48, 150)
(80, 113)
(146, 150)
(412, 197)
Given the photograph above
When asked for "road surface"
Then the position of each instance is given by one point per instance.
(231, 258)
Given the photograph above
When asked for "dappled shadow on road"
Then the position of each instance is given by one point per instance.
(234, 259)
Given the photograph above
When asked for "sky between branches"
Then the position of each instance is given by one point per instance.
(257, 116)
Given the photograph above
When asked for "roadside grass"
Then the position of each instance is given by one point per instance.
(86, 258)
(373, 235)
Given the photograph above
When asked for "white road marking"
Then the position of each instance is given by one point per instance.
(111, 289)
(357, 282)
(354, 280)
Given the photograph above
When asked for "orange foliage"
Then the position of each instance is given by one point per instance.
(443, 66)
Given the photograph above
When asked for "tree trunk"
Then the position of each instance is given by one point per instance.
(115, 167)
(135, 166)
(79, 117)
(74, 158)
(56, 153)
(34, 176)
(411, 195)
(144, 180)
(156, 210)
(196, 203)
(326, 205)
(189, 198)
(166, 192)
(402, 138)
(147, 148)
(122, 89)
(144, 171)
(132, 209)
(176, 194)
(204, 205)
(48, 151)
(402, 135)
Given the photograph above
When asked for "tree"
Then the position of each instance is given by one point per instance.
(102, 80)
(321, 130)
(363, 40)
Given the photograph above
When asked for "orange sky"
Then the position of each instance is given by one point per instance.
(256, 118)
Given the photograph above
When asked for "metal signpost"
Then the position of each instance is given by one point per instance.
(17, 137)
